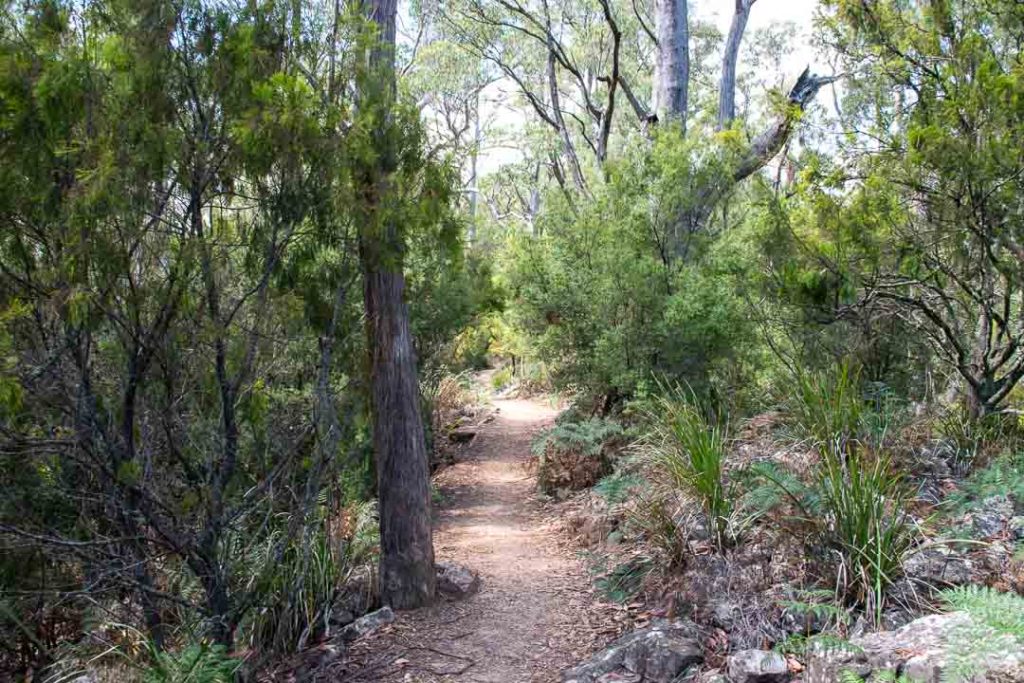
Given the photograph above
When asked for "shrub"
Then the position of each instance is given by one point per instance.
(502, 378)
(625, 580)
(617, 487)
(574, 455)
(656, 517)
(855, 504)
(691, 454)
(972, 438)
(1002, 477)
(297, 583)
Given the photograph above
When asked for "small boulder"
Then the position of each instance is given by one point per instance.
(1017, 528)
(939, 565)
(367, 624)
(992, 516)
(457, 581)
(358, 596)
(657, 653)
(757, 666)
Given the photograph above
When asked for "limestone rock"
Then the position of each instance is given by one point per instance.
(921, 650)
(992, 516)
(757, 666)
(367, 624)
(939, 565)
(1017, 528)
(457, 581)
(655, 654)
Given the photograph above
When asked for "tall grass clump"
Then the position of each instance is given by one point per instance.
(828, 405)
(864, 504)
(299, 578)
(690, 450)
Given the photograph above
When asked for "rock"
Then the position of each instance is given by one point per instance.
(462, 434)
(725, 614)
(357, 597)
(457, 581)
(655, 654)
(616, 677)
(921, 650)
(367, 624)
(939, 565)
(757, 666)
(992, 516)
(1017, 528)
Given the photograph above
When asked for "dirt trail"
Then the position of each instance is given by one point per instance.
(534, 614)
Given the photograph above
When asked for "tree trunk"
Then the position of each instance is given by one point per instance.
(407, 551)
(727, 86)
(407, 575)
(672, 77)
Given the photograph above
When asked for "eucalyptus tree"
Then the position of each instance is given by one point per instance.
(407, 574)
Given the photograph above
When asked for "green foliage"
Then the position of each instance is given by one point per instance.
(618, 487)
(800, 645)
(866, 517)
(817, 607)
(828, 405)
(690, 451)
(296, 587)
(586, 436)
(623, 581)
(603, 291)
(196, 663)
(997, 626)
(658, 518)
(502, 378)
(972, 437)
(184, 191)
(1002, 477)
(574, 455)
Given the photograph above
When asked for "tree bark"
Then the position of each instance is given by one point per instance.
(407, 578)
(727, 86)
(672, 77)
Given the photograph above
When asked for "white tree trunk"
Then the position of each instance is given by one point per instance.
(672, 77)
(727, 86)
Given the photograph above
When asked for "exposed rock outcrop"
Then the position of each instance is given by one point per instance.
(655, 654)
(757, 666)
(923, 650)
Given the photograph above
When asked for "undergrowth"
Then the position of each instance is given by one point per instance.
(573, 455)
(690, 451)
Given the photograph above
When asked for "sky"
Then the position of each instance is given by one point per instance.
(764, 13)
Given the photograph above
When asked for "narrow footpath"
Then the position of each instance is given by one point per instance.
(535, 613)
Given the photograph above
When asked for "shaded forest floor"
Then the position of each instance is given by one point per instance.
(535, 613)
